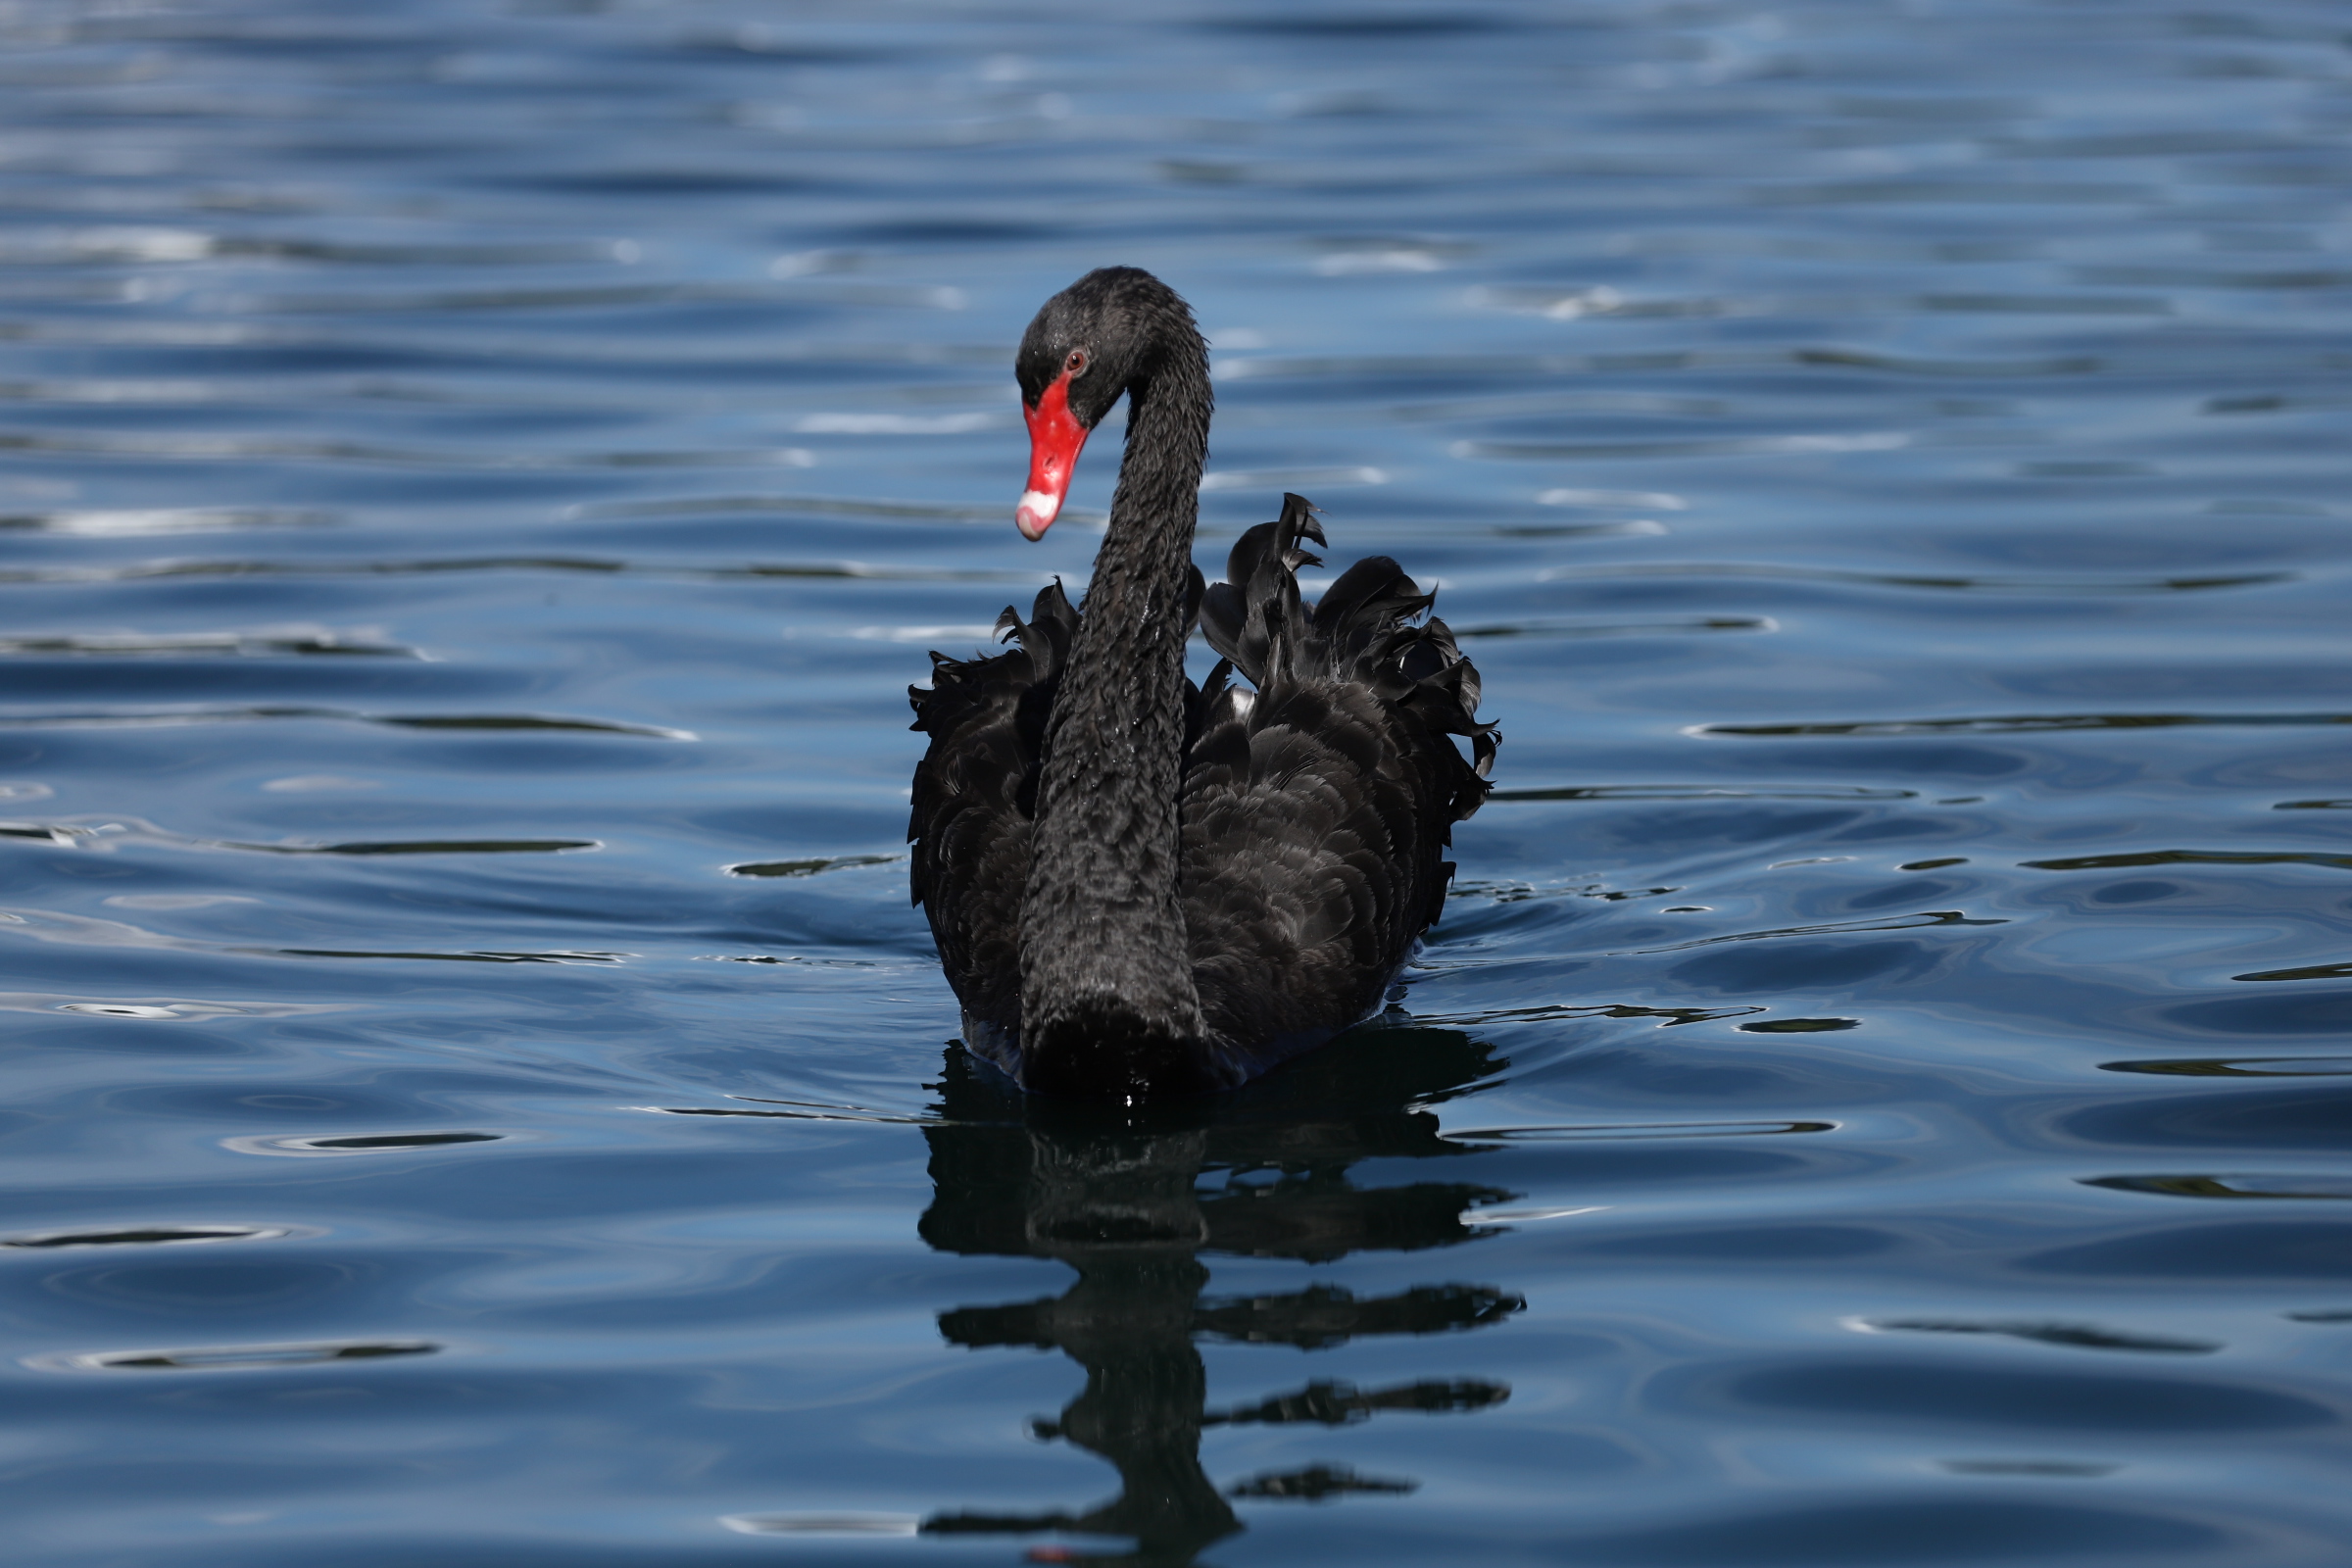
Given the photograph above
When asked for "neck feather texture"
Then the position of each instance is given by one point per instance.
(1104, 954)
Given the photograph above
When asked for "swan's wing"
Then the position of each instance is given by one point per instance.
(975, 792)
(1317, 810)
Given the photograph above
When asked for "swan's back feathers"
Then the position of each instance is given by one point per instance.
(1316, 810)
(1369, 626)
(975, 794)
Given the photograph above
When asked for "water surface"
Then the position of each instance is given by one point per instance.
(479, 479)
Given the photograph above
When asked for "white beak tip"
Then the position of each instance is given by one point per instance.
(1036, 514)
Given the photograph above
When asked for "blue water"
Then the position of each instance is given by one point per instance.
(478, 479)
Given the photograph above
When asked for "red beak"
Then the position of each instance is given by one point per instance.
(1056, 438)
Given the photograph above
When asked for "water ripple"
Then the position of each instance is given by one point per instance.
(2019, 723)
(233, 1357)
(527, 724)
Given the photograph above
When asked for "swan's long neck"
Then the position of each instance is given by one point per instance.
(1105, 976)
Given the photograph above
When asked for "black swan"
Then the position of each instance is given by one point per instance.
(1141, 887)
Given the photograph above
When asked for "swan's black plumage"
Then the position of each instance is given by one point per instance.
(1142, 887)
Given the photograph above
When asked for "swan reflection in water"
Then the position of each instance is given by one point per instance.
(1119, 1196)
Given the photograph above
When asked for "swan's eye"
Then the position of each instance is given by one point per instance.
(1075, 363)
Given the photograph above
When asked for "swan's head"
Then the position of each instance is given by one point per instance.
(1090, 343)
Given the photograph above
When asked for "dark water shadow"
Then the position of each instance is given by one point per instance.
(1133, 1201)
